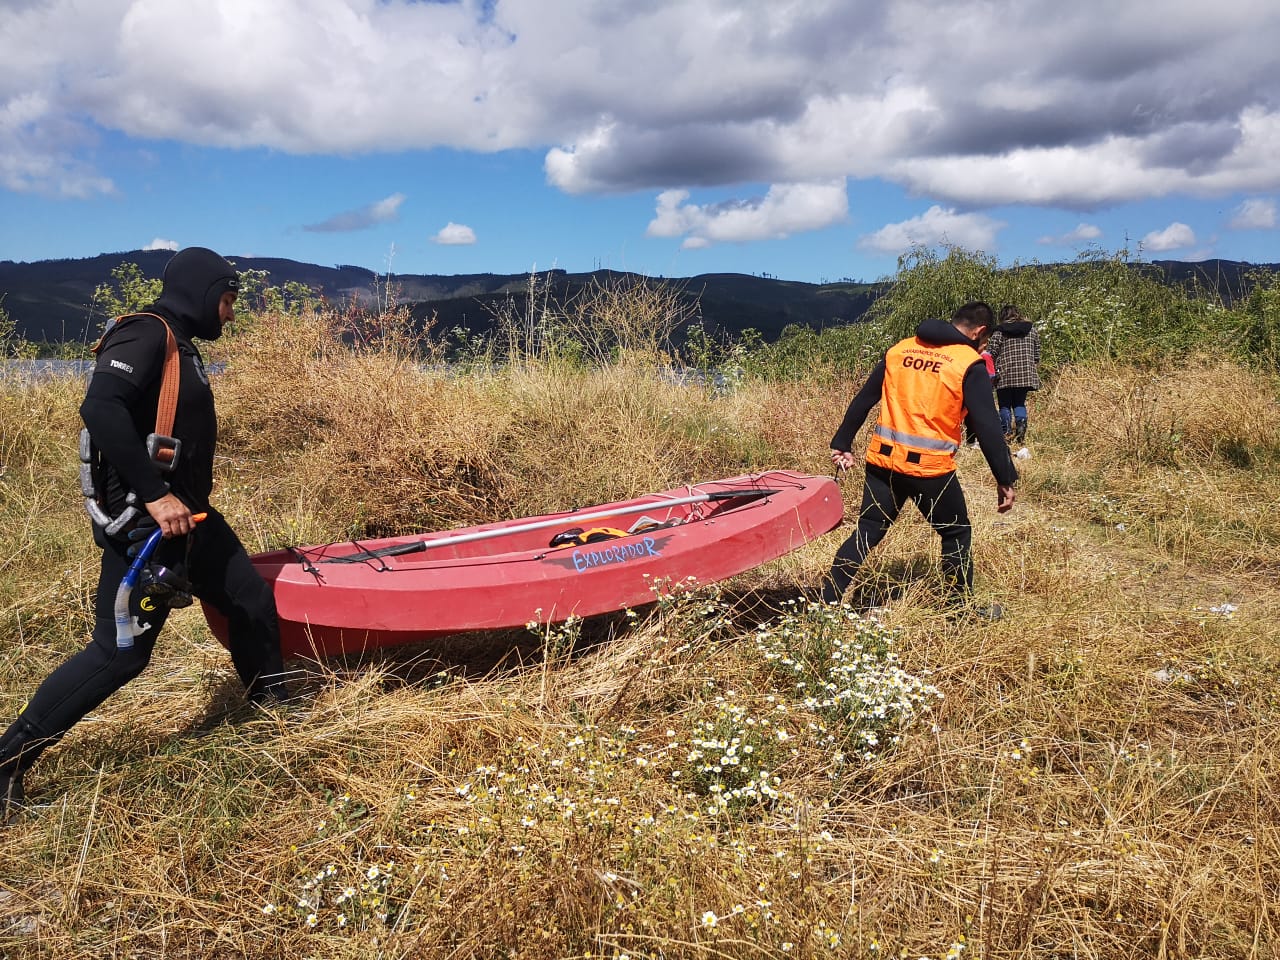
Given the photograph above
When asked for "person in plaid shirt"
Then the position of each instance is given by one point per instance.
(1015, 346)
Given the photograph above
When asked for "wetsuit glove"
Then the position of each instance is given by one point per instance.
(138, 535)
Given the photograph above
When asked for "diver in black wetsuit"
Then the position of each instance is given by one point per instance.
(120, 413)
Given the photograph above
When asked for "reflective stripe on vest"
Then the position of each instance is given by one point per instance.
(924, 443)
(921, 408)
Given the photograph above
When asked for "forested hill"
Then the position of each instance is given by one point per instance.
(53, 300)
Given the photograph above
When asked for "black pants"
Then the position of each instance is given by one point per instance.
(940, 499)
(220, 573)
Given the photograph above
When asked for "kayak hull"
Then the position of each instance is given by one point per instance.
(352, 597)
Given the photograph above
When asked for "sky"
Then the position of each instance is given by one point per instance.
(810, 140)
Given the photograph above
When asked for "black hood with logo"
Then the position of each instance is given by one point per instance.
(1015, 328)
(194, 281)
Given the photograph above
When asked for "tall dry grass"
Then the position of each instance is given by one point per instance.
(1097, 780)
(1188, 455)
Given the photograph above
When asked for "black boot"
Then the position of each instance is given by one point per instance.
(1020, 430)
(19, 747)
(271, 690)
(13, 798)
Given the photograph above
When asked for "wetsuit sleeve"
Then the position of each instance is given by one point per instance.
(861, 405)
(128, 365)
(984, 423)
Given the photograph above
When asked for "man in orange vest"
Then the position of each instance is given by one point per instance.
(928, 387)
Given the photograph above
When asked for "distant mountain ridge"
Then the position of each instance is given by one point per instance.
(51, 300)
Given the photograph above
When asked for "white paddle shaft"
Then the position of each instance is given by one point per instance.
(598, 515)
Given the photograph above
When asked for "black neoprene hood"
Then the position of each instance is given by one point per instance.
(194, 281)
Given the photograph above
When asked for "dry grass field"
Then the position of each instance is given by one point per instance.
(731, 773)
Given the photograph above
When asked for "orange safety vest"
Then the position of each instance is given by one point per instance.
(921, 408)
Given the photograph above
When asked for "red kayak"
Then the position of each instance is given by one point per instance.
(361, 595)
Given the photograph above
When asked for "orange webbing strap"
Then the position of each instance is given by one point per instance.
(168, 406)
(169, 382)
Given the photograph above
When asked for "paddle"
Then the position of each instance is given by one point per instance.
(417, 546)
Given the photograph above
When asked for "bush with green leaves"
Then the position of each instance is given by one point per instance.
(931, 284)
(11, 345)
(1102, 306)
(802, 353)
(1258, 336)
(129, 292)
(257, 296)
(721, 359)
(1115, 308)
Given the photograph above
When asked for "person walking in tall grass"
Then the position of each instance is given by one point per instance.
(1015, 347)
(927, 386)
(145, 479)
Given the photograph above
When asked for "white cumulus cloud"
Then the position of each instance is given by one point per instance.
(784, 210)
(160, 243)
(1109, 106)
(937, 226)
(454, 235)
(1176, 236)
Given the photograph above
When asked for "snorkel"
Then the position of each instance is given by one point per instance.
(127, 626)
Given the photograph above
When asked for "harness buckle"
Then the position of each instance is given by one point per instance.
(164, 451)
